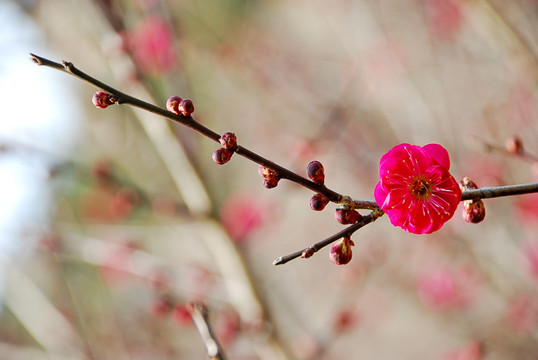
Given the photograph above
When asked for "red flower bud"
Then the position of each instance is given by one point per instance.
(347, 216)
(474, 211)
(228, 140)
(270, 183)
(316, 172)
(270, 177)
(172, 104)
(186, 107)
(467, 184)
(341, 251)
(102, 99)
(222, 156)
(318, 202)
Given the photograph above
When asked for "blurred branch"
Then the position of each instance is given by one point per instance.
(200, 316)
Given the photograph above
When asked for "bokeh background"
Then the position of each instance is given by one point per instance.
(112, 220)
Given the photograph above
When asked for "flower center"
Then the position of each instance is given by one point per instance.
(420, 188)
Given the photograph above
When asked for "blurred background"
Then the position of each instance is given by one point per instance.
(112, 220)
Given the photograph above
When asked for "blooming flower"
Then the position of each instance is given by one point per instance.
(416, 190)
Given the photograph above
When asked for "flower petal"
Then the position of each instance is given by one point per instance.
(438, 154)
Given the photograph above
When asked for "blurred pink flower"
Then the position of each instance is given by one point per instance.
(152, 45)
(521, 314)
(444, 289)
(444, 18)
(415, 189)
(526, 208)
(241, 214)
(472, 351)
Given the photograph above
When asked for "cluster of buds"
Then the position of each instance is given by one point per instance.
(179, 106)
(103, 100)
(341, 251)
(474, 210)
(270, 177)
(346, 216)
(222, 155)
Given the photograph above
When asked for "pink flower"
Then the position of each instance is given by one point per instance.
(152, 45)
(416, 190)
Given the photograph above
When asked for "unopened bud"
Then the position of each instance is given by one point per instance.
(172, 104)
(341, 251)
(347, 216)
(228, 140)
(222, 156)
(102, 99)
(514, 145)
(316, 172)
(186, 107)
(308, 252)
(270, 177)
(318, 202)
(474, 211)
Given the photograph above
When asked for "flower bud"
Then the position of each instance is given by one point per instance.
(514, 145)
(347, 216)
(308, 252)
(270, 183)
(316, 172)
(341, 251)
(172, 104)
(102, 99)
(186, 107)
(318, 202)
(222, 156)
(467, 184)
(228, 140)
(474, 211)
(270, 177)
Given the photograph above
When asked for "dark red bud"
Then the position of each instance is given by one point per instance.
(222, 156)
(102, 99)
(172, 104)
(341, 251)
(346, 216)
(318, 202)
(186, 107)
(270, 183)
(228, 140)
(474, 211)
(308, 252)
(316, 172)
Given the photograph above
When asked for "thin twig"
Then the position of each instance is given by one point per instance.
(498, 191)
(200, 316)
(189, 122)
(309, 251)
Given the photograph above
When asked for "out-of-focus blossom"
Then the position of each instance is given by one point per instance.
(521, 314)
(242, 214)
(415, 189)
(445, 289)
(152, 45)
(445, 18)
(472, 351)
